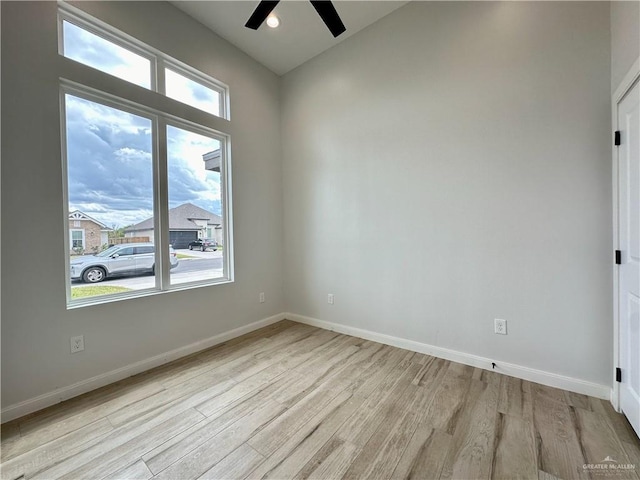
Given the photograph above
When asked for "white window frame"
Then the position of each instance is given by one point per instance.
(81, 230)
(92, 25)
(194, 76)
(97, 86)
(158, 60)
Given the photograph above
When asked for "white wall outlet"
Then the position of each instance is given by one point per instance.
(261, 297)
(330, 299)
(500, 326)
(77, 344)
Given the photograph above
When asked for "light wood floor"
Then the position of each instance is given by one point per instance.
(293, 401)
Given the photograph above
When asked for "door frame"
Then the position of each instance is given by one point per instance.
(625, 85)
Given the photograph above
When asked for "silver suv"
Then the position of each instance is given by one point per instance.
(125, 259)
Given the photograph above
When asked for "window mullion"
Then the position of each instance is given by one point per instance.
(161, 84)
(161, 207)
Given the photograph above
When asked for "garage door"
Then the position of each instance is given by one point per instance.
(182, 239)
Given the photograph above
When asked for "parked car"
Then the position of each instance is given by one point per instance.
(119, 260)
(203, 244)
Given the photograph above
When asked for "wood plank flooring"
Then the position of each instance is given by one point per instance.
(293, 401)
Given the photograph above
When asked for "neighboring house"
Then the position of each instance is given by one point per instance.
(187, 223)
(212, 160)
(86, 234)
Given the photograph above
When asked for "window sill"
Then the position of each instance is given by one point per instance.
(118, 297)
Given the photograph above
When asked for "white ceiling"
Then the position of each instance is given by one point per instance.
(301, 35)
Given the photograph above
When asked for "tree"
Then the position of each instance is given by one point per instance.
(117, 232)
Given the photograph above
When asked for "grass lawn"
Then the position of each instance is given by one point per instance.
(184, 255)
(81, 292)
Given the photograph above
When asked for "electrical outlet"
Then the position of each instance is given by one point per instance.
(77, 344)
(330, 299)
(499, 326)
(261, 297)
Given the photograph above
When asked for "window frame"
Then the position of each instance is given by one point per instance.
(94, 26)
(158, 60)
(195, 77)
(130, 100)
(71, 239)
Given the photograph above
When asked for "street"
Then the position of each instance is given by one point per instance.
(197, 265)
(200, 266)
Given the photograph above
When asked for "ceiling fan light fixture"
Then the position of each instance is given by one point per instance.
(273, 21)
(325, 9)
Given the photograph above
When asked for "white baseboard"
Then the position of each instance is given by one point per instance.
(546, 378)
(51, 398)
(518, 371)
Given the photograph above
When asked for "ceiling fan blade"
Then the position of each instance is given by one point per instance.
(260, 14)
(330, 16)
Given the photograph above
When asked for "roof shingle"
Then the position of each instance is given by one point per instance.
(181, 218)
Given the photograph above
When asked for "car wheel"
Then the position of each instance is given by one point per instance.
(94, 275)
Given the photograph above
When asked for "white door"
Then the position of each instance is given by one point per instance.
(629, 245)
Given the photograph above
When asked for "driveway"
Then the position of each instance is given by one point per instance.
(199, 254)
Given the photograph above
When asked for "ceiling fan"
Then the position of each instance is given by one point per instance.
(325, 9)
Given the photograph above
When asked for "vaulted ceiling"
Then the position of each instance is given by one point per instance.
(301, 35)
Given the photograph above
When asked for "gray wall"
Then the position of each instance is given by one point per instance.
(36, 325)
(478, 136)
(625, 39)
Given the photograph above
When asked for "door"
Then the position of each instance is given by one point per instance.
(122, 262)
(145, 258)
(629, 245)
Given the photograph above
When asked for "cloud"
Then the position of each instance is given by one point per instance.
(192, 93)
(92, 50)
(110, 165)
(189, 181)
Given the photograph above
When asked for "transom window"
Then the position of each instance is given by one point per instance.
(149, 183)
(90, 42)
(84, 46)
(192, 92)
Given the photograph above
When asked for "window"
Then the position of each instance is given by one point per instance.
(191, 92)
(99, 46)
(146, 174)
(86, 47)
(77, 240)
(195, 193)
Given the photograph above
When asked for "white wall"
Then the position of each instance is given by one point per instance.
(625, 38)
(36, 325)
(479, 134)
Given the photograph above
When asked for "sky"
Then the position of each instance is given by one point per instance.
(109, 151)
